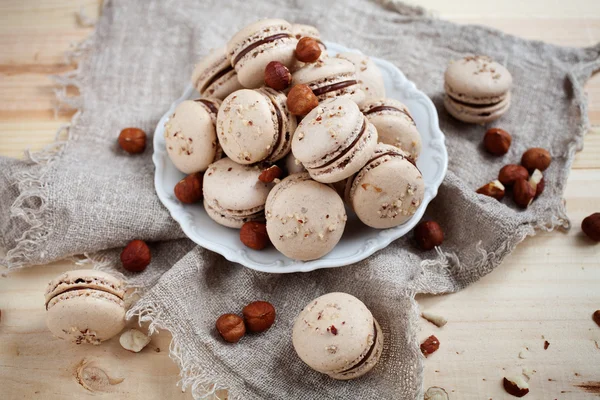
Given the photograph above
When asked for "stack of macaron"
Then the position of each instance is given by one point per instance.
(243, 124)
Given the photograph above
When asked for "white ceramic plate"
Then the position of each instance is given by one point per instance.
(358, 241)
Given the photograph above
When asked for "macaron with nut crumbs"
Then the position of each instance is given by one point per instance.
(214, 76)
(336, 335)
(368, 75)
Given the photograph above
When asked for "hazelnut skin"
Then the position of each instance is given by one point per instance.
(132, 140)
(497, 141)
(270, 174)
(523, 193)
(536, 158)
(301, 100)
(189, 189)
(429, 234)
(277, 76)
(591, 226)
(136, 256)
(253, 234)
(308, 50)
(259, 316)
(231, 327)
(510, 173)
(493, 189)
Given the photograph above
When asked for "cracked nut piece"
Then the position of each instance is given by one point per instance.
(497, 141)
(132, 140)
(516, 386)
(270, 174)
(189, 189)
(308, 50)
(523, 193)
(134, 340)
(537, 181)
(301, 100)
(536, 158)
(596, 317)
(430, 345)
(435, 319)
(259, 316)
(277, 76)
(510, 173)
(136, 256)
(429, 234)
(493, 189)
(231, 327)
(436, 393)
(254, 235)
(591, 226)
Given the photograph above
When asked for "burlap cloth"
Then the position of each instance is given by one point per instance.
(84, 195)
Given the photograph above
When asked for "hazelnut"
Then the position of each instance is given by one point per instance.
(231, 327)
(536, 158)
(277, 76)
(301, 100)
(436, 393)
(134, 340)
(523, 193)
(435, 319)
(497, 141)
(516, 386)
(189, 189)
(132, 140)
(308, 50)
(493, 189)
(136, 256)
(429, 234)
(510, 173)
(537, 181)
(596, 317)
(259, 316)
(270, 174)
(430, 345)
(591, 226)
(254, 235)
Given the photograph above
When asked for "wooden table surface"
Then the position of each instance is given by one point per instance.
(546, 290)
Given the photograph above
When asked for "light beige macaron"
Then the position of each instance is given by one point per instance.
(85, 306)
(336, 334)
(368, 75)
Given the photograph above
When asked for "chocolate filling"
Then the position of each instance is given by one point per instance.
(321, 43)
(334, 87)
(208, 104)
(347, 150)
(388, 108)
(475, 105)
(254, 45)
(217, 76)
(366, 357)
(82, 288)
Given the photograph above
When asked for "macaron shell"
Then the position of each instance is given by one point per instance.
(333, 350)
(477, 80)
(221, 217)
(369, 76)
(305, 219)
(85, 316)
(190, 136)
(214, 76)
(84, 279)
(477, 114)
(247, 126)
(288, 124)
(292, 165)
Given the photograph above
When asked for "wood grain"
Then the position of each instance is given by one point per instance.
(546, 290)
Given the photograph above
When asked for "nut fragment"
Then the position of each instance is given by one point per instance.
(270, 174)
(516, 386)
(430, 345)
(497, 141)
(429, 234)
(132, 140)
(591, 226)
(254, 235)
(277, 76)
(546, 344)
(510, 173)
(536, 158)
(523, 193)
(537, 182)
(435, 319)
(308, 50)
(436, 393)
(596, 317)
(231, 327)
(301, 100)
(134, 340)
(189, 189)
(493, 189)
(259, 316)
(136, 256)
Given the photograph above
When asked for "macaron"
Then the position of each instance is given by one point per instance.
(369, 76)
(85, 306)
(336, 334)
(334, 140)
(305, 218)
(388, 189)
(477, 89)
(292, 165)
(233, 195)
(395, 125)
(214, 76)
(330, 77)
(255, 125)
(301, 30)
(190, 135)
(256, 45)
